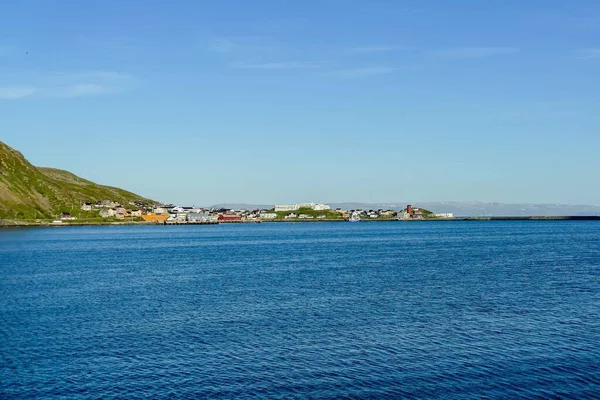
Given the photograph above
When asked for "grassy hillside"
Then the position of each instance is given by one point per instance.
(28, 192)
(329, 214)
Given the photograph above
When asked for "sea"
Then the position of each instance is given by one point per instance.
(368, 310)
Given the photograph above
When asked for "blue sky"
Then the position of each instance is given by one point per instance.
(285, 101)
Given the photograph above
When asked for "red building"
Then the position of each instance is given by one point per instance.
(230, 218)
(409, 209)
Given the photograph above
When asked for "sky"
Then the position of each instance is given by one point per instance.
(264, 102)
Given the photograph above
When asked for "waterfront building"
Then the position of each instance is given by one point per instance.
(229, 218)
(201, 217)
(444, 215)
(403, 215)
(268, 215)
(153, 217)
(67, 216)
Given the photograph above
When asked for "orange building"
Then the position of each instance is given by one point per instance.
(158, 218)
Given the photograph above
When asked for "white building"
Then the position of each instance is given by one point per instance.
(286, 207)
(106, 204)
(444, 215)
(86, 206)
(295, 207)
(107, 212)
(268, 215)
(201, 217)
(403, 215)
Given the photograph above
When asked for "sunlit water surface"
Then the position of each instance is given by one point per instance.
(306, 310)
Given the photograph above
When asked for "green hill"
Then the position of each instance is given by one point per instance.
(313, 214)
(29, 192)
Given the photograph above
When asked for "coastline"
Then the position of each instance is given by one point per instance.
(25, 224)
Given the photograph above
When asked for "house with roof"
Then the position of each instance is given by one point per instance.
(267, 215)
(200, 218)
(229, 218)
(65, 216)
(107, 212)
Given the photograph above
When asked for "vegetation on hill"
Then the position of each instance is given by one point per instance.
(29, 192)
(329, 214)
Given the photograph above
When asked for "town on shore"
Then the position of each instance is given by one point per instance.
(167, 214)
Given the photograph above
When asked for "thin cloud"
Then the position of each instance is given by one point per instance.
(68, 85)
(351, 73)
(473, 52)
(93, 83)
(98, 76)
(280, 65)
(376, 49)
(15, 92)
(79, 90)
(588, 54)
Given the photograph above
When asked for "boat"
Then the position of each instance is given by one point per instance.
(354, 218)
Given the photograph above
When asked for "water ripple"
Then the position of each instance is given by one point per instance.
(449, 310)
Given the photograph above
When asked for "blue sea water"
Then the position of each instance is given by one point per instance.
(305, 310)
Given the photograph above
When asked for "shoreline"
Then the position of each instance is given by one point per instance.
(24, 224)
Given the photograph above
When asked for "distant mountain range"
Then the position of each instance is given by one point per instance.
(481, 209)
(460, 209)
